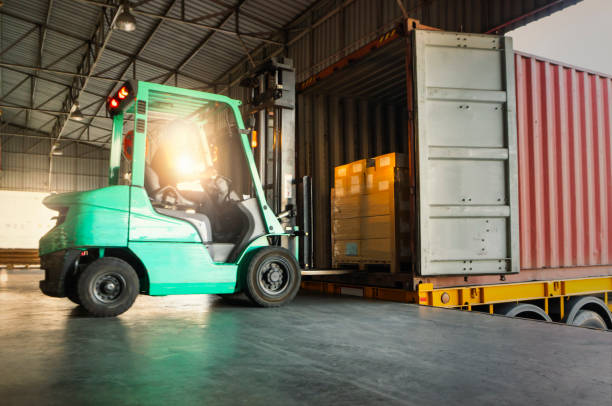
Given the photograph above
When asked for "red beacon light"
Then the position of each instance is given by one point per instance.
(114, 103)
(123, 92)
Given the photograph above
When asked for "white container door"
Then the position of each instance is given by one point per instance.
(466, 148)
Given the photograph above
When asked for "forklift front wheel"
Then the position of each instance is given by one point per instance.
(273, 277)
(108, 287)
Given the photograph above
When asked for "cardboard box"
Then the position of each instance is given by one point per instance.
(371, 212)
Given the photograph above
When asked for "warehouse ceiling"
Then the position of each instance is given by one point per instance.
(55, 53)
(186, 43)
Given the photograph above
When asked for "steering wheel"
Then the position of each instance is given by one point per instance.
(223, 187)
(169, 195)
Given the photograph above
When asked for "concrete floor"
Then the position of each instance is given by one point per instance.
(320, 350)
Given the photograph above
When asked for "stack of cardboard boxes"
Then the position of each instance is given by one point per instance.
(371, 216)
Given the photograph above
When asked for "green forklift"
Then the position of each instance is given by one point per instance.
(184, 213)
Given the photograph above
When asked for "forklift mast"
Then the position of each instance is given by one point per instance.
(271, 101)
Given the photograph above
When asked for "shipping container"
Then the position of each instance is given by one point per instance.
(510, 156)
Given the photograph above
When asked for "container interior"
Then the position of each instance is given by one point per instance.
(359, 111)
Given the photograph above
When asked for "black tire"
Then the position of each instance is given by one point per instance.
(589, 318)
(272, 278)
(108, 287)
(72, 291)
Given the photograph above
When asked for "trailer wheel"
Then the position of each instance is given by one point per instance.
(108, 287)
(524, 310)
(579, 304)
(273, 277)
(588, 318)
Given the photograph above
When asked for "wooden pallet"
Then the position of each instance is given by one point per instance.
(9, 258)
(365, 265)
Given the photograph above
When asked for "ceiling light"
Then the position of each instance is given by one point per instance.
(126, 21)
(76, 113)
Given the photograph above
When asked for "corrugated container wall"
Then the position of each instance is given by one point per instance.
(334, 130)
(564, 119)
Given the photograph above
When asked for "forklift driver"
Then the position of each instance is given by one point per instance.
(176, 155)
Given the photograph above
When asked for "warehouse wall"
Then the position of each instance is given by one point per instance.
(24, 165)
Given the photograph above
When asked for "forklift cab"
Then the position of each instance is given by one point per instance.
(195, 169)
(184, 211)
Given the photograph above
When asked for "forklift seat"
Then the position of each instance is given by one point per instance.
(200, 221)
(219, 252)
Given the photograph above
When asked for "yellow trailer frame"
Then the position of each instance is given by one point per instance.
(465, 297)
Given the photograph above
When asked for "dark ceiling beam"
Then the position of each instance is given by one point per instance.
(141, 3)
(402, 7)
(21, 132)
(15, 130)
(37, 69)
(42, 137)
(51, 81)
(204, 42)
(225, 78)
(17, 86)
(244, 45)
(110, 68)
(41, 50)
(44, 103)
(145, 43)
(249, 15)
(17, 41)
(208, 16)
(142, 47)
(65, 86)
(65, 55)
(178, 21)
(502, 28)
(98, 43)
(4, 124)
(85, 42)
(45, 112)
(39, 106)
(53, 112)
(30, 76)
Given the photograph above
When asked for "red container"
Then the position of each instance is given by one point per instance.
(564, 117)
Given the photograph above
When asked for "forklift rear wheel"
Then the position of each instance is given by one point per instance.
(108, 287)
(273, 277)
